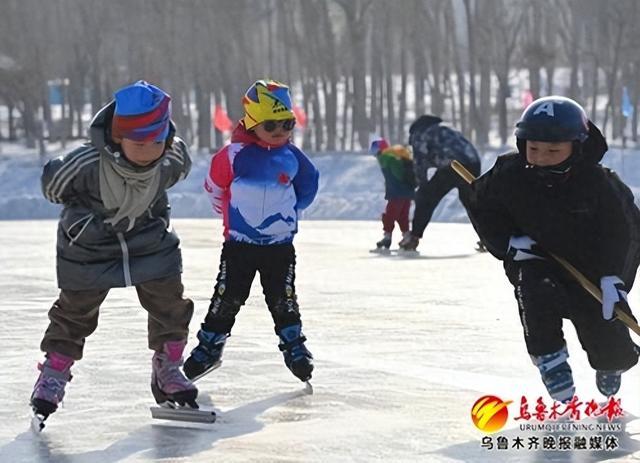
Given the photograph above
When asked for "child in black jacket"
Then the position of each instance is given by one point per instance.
(553, 195)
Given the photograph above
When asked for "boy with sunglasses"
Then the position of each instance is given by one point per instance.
(258, 184)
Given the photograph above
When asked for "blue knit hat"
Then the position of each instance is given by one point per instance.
(142, 113)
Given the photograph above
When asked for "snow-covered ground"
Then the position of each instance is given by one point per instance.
(403, 348)
(351, 186)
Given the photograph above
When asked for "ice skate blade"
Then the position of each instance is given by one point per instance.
(37, 423)
(308, 388)
(215, 366)
(407, 253)
(191, 415)
(381, 251)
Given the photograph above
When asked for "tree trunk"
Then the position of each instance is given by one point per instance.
(12, 122)
(203, 104)
(390, 98)
(503, 94)
(485, 112)
(402, 103)
(460, 77)
(473, 109)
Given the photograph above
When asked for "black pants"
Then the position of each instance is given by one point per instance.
(546, 294)
(431, 192)
(239, 263)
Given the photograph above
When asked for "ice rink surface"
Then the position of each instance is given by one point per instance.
(403, 348)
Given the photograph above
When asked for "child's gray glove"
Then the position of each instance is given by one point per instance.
(612, 291)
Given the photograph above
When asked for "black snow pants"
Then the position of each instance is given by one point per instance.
(546, 295)
(431, 192)
(239, 263)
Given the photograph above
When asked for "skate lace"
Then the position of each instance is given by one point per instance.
(52, 387)
(210, 347)
(295, 348)
(169, 373)
(203, 353)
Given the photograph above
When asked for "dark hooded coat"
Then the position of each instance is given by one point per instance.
(92, 254)
(586, 214)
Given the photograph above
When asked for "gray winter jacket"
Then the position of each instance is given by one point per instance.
(92, 254)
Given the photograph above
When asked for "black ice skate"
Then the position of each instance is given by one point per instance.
(296, 356)
(206, 356)
(384, 243)
(608, 381)
(382, 246)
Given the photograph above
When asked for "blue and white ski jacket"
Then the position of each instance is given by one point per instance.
(258, 189)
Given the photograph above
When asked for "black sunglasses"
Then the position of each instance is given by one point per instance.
(287, 124)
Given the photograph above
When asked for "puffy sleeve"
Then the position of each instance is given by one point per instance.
(619, 223)
(219, 178)
(178, 156)
(62, 177)
(305, 182)
(488, 213)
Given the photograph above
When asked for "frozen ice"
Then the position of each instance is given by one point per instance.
(403, 349)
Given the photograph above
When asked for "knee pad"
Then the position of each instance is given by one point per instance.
(286, 306)
(223, 308)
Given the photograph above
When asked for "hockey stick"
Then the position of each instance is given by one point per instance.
(580, 278)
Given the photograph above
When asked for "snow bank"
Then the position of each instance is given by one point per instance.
(351, 186)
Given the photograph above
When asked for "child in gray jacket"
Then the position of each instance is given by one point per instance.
(114, 232)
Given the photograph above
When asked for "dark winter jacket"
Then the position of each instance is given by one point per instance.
(436, 146)
(92, 254)
(586, 215)
(399, 178)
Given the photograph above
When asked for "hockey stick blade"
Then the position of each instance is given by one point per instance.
(190, 415)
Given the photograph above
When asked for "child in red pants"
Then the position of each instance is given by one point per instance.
(396, 164)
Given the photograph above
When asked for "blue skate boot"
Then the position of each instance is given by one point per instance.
(296, 356)
(556, 374)
(608, 381)
(206, 356)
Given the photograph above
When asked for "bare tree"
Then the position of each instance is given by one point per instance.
(357, 19)
(354, 65)
(504, 45)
